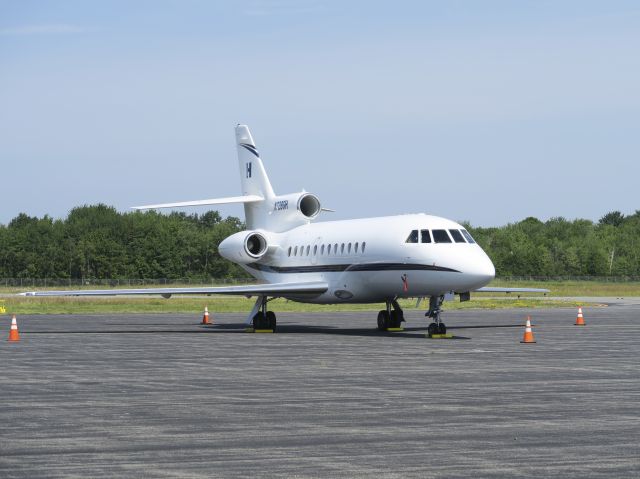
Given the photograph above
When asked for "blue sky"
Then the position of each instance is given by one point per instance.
(482, 111)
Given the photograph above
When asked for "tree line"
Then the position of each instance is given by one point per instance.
(560, 247)
(101, 243)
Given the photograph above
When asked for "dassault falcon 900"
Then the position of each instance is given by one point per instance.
(371, 260)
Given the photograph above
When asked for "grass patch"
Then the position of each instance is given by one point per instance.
(227, 304)
(558, 288)
(577, 288)
(233, 304)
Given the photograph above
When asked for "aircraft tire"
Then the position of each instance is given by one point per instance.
(257, 321)
(442, 329)
(433, 329)
(383, 320)
(396, 318)
(271, 320)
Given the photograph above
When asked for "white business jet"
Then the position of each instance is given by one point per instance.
(371, 260)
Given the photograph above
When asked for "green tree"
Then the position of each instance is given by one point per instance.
(613, 218)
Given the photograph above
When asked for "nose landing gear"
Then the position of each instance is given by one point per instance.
(437, 326)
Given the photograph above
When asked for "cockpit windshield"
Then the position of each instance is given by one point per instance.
(441, 236)
(413, 237)
(468, 236)
(457, 236)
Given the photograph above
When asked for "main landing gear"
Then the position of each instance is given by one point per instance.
(437, 327)
(264, 319)
(390, 318)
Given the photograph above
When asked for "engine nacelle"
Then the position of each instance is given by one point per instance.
(293, 210)
(244, 247)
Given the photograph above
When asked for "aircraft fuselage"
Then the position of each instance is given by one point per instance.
(375, 259)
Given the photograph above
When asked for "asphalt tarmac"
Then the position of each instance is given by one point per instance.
(327, 396)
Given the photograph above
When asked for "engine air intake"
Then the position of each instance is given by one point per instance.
(309, 205)
(255, 245)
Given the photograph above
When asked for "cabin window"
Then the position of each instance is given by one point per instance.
(335, 248)
(349, 248)
(364, 245)
(289, 254)
(413, 237)
(315, 249)
(308, 248)
(457, 236)
(321, 250)
(425, 237)
(295, 251)
(467, 235)
(441, 236)
(356, 250)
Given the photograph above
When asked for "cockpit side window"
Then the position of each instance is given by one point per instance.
(441, 236)
(467, 235)
(413, 237)
(425, 237)
(457, 236)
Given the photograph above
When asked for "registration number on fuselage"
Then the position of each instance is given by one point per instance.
(281, 205)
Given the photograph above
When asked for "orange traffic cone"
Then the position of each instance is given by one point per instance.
(205, 318)
(528, 333)
(13, 333)
(580, 318)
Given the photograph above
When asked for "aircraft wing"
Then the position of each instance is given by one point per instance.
(274, 289)
(491, 289)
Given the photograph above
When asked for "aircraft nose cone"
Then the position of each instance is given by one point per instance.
(489, 270)
(483, 270)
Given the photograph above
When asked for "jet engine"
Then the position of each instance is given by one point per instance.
(244, 247)
(309, 205)
(289, 211)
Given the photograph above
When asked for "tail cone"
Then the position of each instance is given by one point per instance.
(528, 333)
(13, 333)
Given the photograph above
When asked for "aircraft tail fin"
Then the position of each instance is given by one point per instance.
(253, 177)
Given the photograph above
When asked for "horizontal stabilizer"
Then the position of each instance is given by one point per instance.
(275, 289)
(490, 289)
(213, 201)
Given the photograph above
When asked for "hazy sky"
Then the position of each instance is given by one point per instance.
(487, 111)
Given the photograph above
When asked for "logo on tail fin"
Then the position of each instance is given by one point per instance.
(251, 148)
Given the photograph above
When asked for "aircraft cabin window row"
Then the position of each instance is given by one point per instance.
(440, 236)
(329, 249)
